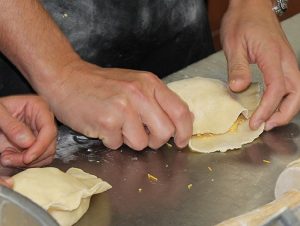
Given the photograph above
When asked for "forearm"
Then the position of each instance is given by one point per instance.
(33, 42)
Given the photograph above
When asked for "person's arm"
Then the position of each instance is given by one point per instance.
(112, 104)
(31, 40)
(251, 33)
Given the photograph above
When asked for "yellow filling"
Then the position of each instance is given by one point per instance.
(232, 129)
(236, 124)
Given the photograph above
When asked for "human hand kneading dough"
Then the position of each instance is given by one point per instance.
(251, 33)
(114, 105)
(28, 132)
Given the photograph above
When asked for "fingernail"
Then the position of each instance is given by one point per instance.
(237, 82)
(23, 138)
(182, 145)
(233, 81)
(257, 124)
(6, 162)
(270, 126)
(234, 84)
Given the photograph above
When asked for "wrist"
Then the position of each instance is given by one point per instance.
(45, 74)
(268, 4)
(53, 83)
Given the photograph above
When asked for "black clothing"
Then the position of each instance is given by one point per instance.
(161, 36)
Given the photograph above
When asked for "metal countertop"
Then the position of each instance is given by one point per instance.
(224, 185)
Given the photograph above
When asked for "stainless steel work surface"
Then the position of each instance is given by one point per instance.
(191, 188)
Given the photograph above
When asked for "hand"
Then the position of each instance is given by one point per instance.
(119, 106)
(6, 181)
(251, 33)
(114, 105)
(28, 132)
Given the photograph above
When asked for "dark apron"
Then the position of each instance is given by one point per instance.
(161, 36)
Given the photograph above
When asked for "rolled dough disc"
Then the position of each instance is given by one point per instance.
(66, 196)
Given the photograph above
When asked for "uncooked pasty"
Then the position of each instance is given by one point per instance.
(66, 196)
(221, 117)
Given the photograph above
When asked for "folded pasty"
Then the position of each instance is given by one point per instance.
(66, 196)
(221, 117)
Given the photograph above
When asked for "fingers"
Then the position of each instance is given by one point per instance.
(119, 123)
(274, 89)
(159, 125)
(255, 36)
(290, 103)
(134, 133)
(15, 130)
(239, 75)
(109, 124)
(162, 112)
(152, 115)
(144, 121)
(40, 124)
(45, 140)
(14, 158)
(179, 114)
(40, 150)
(140, 108)
(287, 110)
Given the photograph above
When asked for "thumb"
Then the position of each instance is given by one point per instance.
(15, 131)
(239, 75)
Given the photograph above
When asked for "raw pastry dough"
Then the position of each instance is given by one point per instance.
(66, 196)
(221, 117)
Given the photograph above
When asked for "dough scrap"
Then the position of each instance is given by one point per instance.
(66, 196)
(221, 117)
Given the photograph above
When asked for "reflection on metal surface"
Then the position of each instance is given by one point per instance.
(239, 180)
(278, 141)
(69, 142)
(99, 214)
